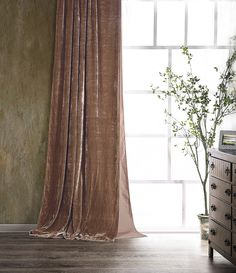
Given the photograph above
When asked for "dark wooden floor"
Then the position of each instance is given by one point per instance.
(160, 253)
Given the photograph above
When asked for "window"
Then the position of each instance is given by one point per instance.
(164, 186)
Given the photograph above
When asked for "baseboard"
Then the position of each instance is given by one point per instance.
(17, 227)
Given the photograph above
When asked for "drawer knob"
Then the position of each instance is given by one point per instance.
(227, 216)
(213, 186)
(227, 171)
(212, 166)
(213, 232)
(228, 192)
(227, 242)
(234, 248)
(234, 194)
(213, 207)
(234, 221)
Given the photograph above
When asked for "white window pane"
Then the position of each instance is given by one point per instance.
(144, 114)
(170, 22)
(183, 167)
(203, 63)
(179, 63)
(200, 23)
(229, 123)
(147, 158)
(137, 22)
(226, 21)
(156, 206)
(141, 68)
(194, 204)
(178, 114)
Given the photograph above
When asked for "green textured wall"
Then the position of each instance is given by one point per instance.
(26, 57)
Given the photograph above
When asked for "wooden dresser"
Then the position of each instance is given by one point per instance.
(222, 200)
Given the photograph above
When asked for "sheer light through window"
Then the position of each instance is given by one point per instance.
(164, 186)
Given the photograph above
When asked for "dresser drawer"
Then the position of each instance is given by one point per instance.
(221, 169)
(234, 245)
(234, 196)
(234, 173)
(234, 220)
(220, 236)
(220, 211)
(221, 189)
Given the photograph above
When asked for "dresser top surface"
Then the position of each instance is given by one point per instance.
(222, 155)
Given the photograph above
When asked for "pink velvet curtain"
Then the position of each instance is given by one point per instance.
(86, 194)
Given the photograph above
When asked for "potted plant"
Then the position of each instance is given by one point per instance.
(204, 112)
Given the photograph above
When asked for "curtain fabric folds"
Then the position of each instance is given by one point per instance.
(86, 194)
